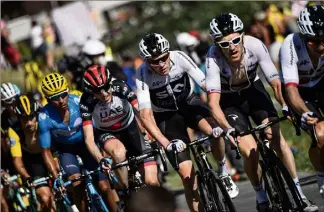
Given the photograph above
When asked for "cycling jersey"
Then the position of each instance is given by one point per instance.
(296, 66)
(164, 93)
(51, 124)
(219, 74)
(113, 116)
(7, 122)
(15, 146)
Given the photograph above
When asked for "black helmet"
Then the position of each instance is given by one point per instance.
(311, 21)
(26, 106)
(225, 24)
(153, 45)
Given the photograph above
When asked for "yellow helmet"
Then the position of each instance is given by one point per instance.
(53, 83)
(76, 92)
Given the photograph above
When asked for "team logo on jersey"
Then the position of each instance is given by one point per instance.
(77, 122)
(12, 142)
(42, 116)
(76, 100)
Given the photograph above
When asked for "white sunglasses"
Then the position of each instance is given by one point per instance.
(226, 44)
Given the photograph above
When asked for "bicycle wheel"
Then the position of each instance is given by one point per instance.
(218, 193)
(281, 189)
(208, 204)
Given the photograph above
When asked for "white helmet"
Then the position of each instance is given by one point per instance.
(94, 47)
(152, 45)
(185, 39)
(9, 91)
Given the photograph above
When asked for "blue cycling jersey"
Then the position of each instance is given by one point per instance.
(52, 127)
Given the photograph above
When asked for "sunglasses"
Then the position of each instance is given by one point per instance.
(157, 61)
(9, 101)
(315, 42)
(57, 97)
(106, 87)
(226, 44)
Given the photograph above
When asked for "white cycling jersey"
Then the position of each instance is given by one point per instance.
(165, 93)
(219, 74)
(296, 66)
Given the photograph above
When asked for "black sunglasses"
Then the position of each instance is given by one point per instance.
(57, 97)
(157, 62)
(105, 87)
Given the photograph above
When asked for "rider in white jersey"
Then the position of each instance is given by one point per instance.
(302, 71)
(235, 92)
(165, 94)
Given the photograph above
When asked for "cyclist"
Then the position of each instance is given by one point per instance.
(165, 83)
(302, 70)
(60, 126)
(108, 105)
(9, 92)
(26, 151)
(235, 92)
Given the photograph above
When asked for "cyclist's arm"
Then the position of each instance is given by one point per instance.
(86, 110)
(213, 84)
(192, 69)
(45, 143)
(16, 153)
(150, 125)
(269, 69)
(146, 113)
(289, 72)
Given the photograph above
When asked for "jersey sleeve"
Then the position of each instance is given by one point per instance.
(288, 62)
(15, 146)
(213, 81)
(142, 89)
(192, 69)
(44, 128)
(267, 66)
(86, 107)
(122, 90)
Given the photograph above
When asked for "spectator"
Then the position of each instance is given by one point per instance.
(129, 70)
(152, 199)
(276, 20)
(49, 35)
(116, 70)
(261, 29)
(202, 47)
(8, 49)
(39, 46)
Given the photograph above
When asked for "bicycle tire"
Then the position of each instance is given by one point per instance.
(208, 205)
(217, 188)
(280, 188)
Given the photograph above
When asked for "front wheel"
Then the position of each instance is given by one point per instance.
(218, 193)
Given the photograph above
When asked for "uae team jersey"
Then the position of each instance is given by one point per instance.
(296, 66)
(113, 116)
(165, 93)
(53, 129)
(219, 74)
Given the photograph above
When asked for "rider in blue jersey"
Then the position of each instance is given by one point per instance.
(60, 126)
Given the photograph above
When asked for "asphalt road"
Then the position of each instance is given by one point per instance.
(245, 202)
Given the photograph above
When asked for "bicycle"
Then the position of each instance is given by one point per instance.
(280, 187)
(211, 188)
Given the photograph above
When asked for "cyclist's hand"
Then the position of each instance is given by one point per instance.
(180, 145)
(229, 135)
(5, 176)
(217, 132)
(58, 185)
(105, 164)
(308, 118)
(286, 112)
(29, 182)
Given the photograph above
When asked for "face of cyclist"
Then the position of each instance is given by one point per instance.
(59, 100)
(28, 122)
(231, 46)
(316, 45)
(9, 105)
(160, 64)
(99, 59)
(103, 95)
